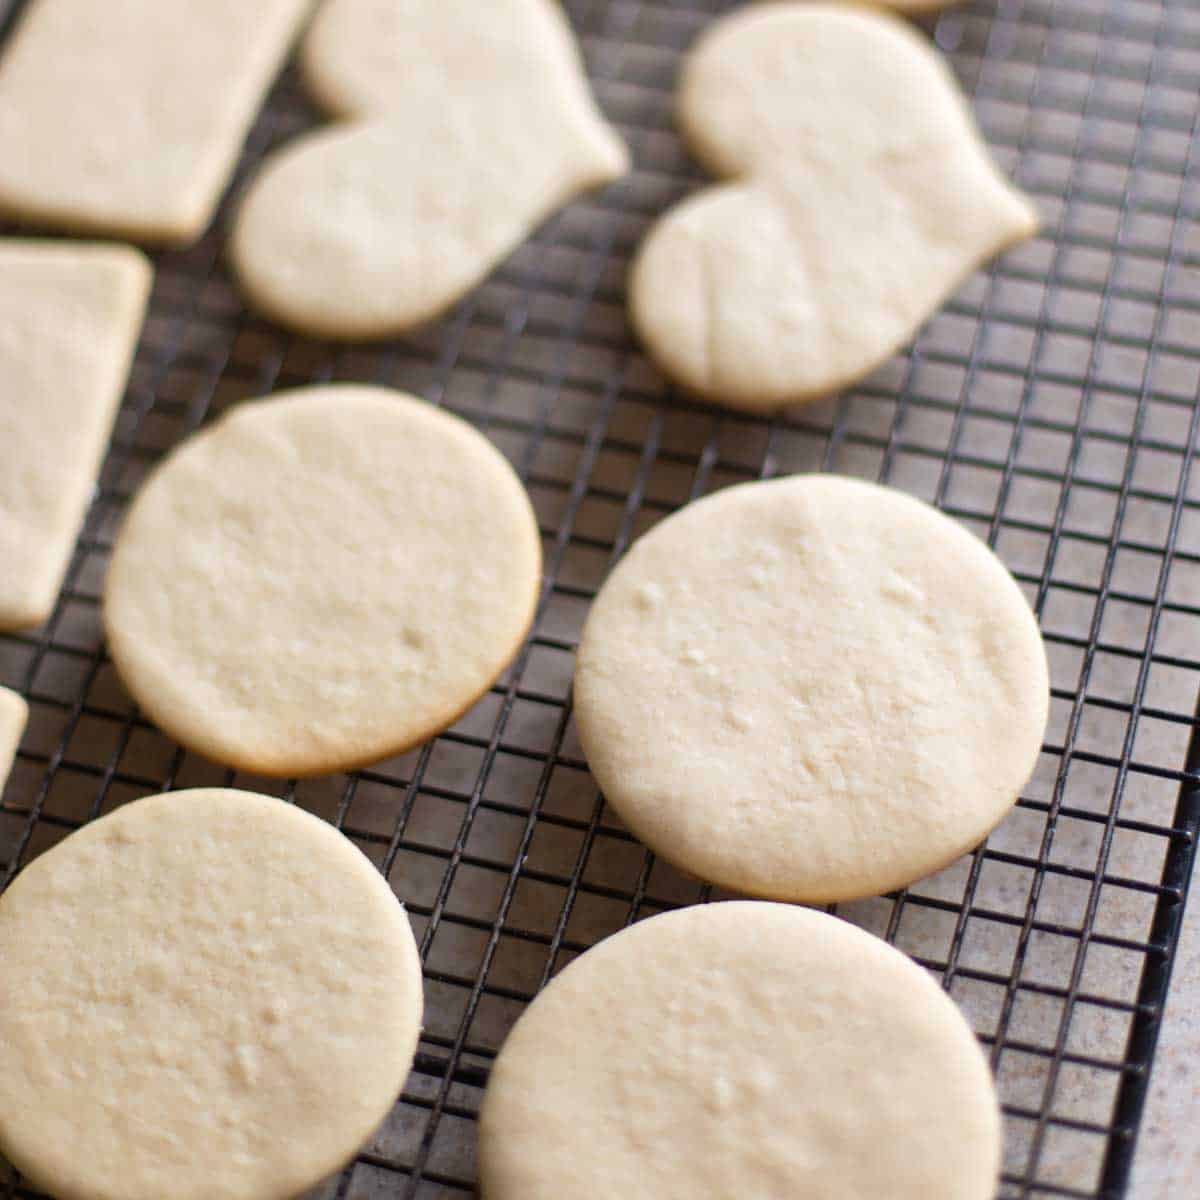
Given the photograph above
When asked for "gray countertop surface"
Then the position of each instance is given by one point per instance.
(1167, 1166)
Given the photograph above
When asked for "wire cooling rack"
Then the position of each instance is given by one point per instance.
(1050, 406)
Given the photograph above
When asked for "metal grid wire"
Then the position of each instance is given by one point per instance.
(1050, 406)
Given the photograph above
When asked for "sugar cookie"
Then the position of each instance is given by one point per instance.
(69, 320)
(126, 117)
(811, 689)
(208, 994)
(14, 714)
(473, 122)
(913, 8)
(321, 579)
(858, 196)
(740, 1049)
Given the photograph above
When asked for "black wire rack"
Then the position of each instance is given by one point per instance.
(1051, 406)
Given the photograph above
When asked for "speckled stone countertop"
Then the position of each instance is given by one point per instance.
(1168, 1155)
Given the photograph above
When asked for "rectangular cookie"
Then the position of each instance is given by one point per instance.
(69, 320)
(14, 713)
(126, 117)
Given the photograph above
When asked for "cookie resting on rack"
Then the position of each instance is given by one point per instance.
(912, 8)
(321, 580)
(14, 715)
(126, 118)
(207, 995)
(70, 314)
(740, 1049)
(858, 196)
(811, 689)
(464, 125)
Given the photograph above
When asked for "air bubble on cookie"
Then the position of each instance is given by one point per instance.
(763, 562)
(246, 1066)
(721, 1095)
(896, 587)
(739, 719)
(273, 1012)
(648, 597)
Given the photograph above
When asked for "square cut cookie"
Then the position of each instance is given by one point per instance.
(69, 321)
(126, 117)
(14, 714)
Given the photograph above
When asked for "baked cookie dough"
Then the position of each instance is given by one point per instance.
(208, 994)
(70, 314)
(126, 117)
(912, 8)
(858, 196)
(811, 689)
(14, 715)
(321, 580)
(740, 1049)
(471, 124)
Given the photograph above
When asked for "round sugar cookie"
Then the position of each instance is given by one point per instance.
(811, 689)
(322, 579)
(740, 1049)
(207, 995)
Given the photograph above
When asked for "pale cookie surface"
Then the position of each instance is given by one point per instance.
(321, 579)
(69, 321)
(14, 714)
(811, 689)
(740, 1049)
(859, 197)
(126, 117)
(912, 8)
(473, 122)
(208, 994)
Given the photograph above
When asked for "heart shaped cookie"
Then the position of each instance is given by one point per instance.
(470, 123)
(860, 196)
